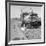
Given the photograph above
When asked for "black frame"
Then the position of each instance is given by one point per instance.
(6, 40)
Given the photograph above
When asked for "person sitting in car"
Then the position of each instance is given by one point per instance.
(30, 20)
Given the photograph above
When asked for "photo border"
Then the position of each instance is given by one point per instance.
(6, 38)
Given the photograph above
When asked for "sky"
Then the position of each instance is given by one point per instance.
(16, 10)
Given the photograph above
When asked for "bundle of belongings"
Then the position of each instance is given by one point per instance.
(30, 20)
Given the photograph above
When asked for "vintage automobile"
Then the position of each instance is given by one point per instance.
(31, 21)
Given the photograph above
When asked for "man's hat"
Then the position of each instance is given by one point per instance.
(27, 10)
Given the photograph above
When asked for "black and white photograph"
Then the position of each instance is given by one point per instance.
(25, 22)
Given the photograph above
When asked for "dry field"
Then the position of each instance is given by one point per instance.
(17, 34)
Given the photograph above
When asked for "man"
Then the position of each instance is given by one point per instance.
(26, 18)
